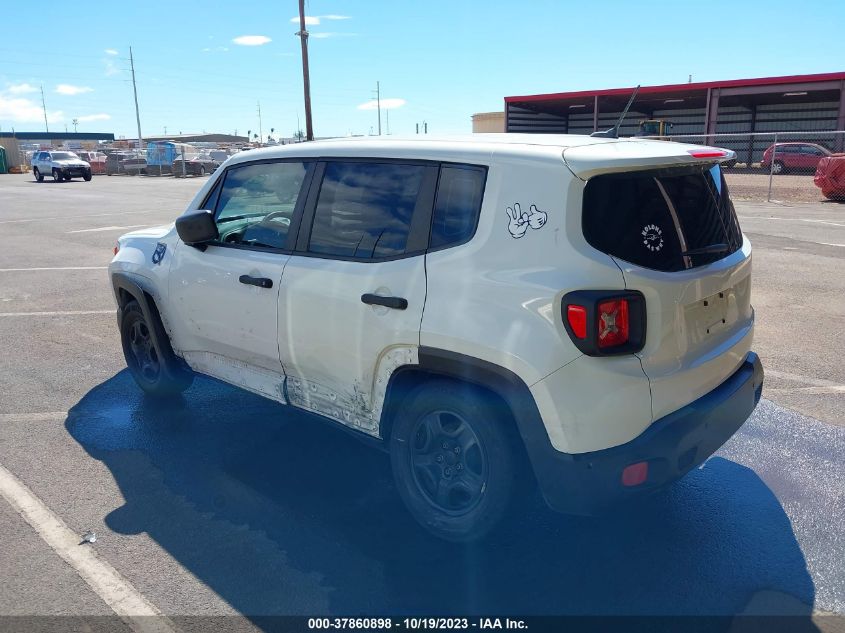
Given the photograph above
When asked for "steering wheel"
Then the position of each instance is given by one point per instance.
(280, 215)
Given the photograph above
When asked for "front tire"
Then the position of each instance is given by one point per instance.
(155, 370)
(778, 167)
(86, 176)
(57, 176)
(39, 177)
(454, 460)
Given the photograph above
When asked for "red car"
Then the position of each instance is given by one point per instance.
(830, 177)
(792, 157)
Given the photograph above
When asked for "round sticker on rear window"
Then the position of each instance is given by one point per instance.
(652, 237)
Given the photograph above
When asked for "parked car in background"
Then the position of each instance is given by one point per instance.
(128, 163)
(830, 177)
(97, 160)
(195, 165)
(60, 165)
(793, 157)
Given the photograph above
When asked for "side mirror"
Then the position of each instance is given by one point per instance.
(197, 228)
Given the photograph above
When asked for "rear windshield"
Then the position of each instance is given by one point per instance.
(668, 219)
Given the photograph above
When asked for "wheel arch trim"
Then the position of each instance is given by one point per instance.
(501, 381)
(123, 283)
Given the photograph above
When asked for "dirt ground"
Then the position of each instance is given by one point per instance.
(754, 185)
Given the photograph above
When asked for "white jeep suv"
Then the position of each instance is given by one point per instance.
(572, 309)
(59, 165)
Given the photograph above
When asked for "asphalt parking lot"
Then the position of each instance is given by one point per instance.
(222, 503)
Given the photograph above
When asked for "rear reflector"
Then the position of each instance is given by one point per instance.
(577, 317)
(613, 323)
(635, 474)
(707, 153)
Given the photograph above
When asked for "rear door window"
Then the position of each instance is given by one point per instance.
(364, 209)
(669, 220)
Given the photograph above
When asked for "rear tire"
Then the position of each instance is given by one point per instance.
(454, 460)
(157, 371)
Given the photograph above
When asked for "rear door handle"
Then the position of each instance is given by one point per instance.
(397, 303)
(261, 282)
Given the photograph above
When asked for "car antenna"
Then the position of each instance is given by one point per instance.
(614, 131)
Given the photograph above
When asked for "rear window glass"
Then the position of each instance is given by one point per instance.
(667, 220)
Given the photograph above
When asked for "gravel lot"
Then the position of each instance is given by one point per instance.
(753, 185)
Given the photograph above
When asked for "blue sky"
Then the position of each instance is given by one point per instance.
(444, 60)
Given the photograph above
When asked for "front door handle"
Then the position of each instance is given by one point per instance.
(261, 282)
(397, 303)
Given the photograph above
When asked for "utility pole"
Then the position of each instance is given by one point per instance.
(44, 108)
(260, 129)
(135, 91)
(306, 81)
(378, 106)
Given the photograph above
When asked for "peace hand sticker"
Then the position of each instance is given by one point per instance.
(519, 221)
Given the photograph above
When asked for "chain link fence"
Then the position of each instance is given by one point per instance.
(772, 166)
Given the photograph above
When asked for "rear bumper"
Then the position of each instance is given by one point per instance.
(591, 483)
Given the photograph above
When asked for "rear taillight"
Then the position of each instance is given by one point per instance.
(613, 323)
(604, 322)
(116, 247)
(576, 316)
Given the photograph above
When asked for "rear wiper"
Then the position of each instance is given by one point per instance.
(712, 248)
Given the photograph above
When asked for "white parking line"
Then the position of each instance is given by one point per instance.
(59, 313)
(808, 380)
(108, 228)
(116, 591)
(21, 270)
(67, 217)
(49, 416)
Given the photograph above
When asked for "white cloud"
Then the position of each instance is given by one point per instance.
(386, 104)
(110, 51)
(310, 20)
(333, 16)
(252, 40)
(67, 89)
(93, 117)
(25, 111)
(20, 89)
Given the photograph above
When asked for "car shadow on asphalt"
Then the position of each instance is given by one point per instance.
(280, 514)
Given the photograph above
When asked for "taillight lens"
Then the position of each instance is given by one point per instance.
(613, 323)
(116, 247)
(605, 322)
(577, 317)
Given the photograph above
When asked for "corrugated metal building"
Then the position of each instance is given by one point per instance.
(796, 103)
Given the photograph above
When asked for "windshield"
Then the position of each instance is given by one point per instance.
(64, 156)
